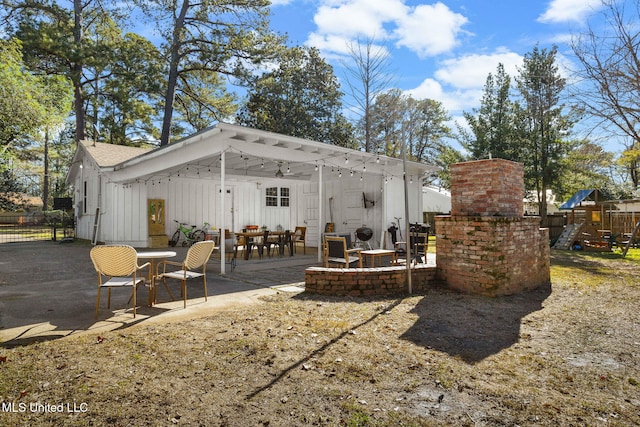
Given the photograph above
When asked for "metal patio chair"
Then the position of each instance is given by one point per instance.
(119, 264)
(196, 259)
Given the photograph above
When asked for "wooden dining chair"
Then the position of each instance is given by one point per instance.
(193, 266)
(119, 265)
(299, 238)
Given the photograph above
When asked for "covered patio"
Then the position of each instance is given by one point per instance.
(269, 180)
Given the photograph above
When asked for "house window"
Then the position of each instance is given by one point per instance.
(272, 196)
(277, 196)
(84, 197)
(284, 196)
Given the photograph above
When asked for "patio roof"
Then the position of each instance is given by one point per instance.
(251, 154)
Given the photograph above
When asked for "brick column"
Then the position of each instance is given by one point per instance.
(487, 246)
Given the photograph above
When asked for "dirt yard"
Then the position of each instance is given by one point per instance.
(565, 355)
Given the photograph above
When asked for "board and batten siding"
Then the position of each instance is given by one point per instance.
(86, 207)
(195, 201)
(344, 204)
(126, 221)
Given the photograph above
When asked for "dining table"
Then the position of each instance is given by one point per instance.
(248, 236)
(153, 256)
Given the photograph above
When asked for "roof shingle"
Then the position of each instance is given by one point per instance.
(107, 155)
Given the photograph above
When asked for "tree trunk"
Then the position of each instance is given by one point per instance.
(174, 63)
(78, 104)
(76, 73)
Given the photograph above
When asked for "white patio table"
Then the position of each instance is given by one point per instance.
(152, 256)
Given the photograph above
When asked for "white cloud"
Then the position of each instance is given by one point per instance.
(426, 30)
(429, 29)
(471, 71)
(452, 100)
(569, 10)
(429, 88)
(459, 83)
(354, 18)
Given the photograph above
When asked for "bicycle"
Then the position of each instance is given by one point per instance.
(191, 235)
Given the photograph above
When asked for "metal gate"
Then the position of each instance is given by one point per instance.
(29, 227)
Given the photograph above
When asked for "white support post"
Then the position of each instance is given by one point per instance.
(222, 214)
(320, 211)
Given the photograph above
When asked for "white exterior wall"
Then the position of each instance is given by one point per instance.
(196, 200)
(85, 207)
(348, 206)
(124, 215)
(436, 200)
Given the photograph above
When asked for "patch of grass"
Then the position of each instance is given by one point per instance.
(356, 416)
(574, 275)
(633, 255)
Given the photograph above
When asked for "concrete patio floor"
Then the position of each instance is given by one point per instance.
(48, 291)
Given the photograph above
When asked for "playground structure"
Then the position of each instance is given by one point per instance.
(594, 224)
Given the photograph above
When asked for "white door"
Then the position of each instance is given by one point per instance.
(310, 217)
(229, 218)
(352, 219)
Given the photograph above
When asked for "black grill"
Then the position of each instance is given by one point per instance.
(364, 233)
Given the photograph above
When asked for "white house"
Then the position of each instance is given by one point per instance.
(436, 199)
(269, 179)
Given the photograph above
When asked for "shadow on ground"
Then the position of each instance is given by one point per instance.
(472, 327)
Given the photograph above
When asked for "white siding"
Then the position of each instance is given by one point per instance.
(196, 200)
(124, 215)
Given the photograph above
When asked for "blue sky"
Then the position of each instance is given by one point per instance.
(441, 50)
